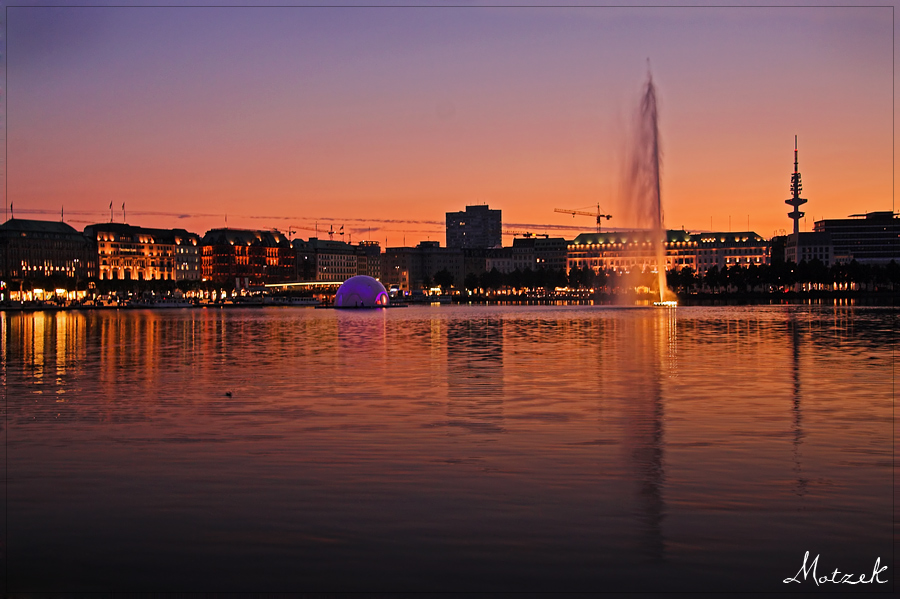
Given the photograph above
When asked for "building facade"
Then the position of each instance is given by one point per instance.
(368, 259)
(409, 268)
(630, 251)
(36, 251)
(871, 238)
(478, 227)
(519, 256)
(721, 249)
(129, 253)
(334, 260)
(806, 247)
(242, 258)
(634, 251)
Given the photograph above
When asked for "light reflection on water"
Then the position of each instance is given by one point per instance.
(446, 448)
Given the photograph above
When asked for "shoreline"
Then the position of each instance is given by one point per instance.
(873, 298)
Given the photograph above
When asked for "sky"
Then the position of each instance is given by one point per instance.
(382, 119)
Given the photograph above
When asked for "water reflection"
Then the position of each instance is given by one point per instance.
(456, 448)
(475, 374)
(797, 424)
(639, 352)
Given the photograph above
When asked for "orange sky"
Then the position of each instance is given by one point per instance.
(384, 119)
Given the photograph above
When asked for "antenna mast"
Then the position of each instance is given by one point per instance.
(796, 187)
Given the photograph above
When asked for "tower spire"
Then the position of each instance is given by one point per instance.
(796, 187)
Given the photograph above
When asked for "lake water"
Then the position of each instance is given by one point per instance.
(447, 448)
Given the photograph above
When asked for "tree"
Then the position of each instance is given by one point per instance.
(444, 279)
(471, 281)
(711, 279)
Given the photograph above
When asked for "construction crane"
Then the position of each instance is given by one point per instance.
(295, 228)
(598, 215)
(525, 234)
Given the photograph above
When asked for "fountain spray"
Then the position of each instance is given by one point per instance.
(644, 178)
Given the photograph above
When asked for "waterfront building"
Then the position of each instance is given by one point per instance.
(409, 268)
(630, 251)
(509, 259)
(806, 247)
(38, 251)
(478, 227)
(129, 253)
(368, 259)
(549, 252)
(304, 260)
(532, 253)
(334, 260)
(634, 251)
(721, 249)
(474, 261)
(242, 258)
(870, 238)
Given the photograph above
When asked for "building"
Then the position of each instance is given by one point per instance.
(509, 259)
(242, 258)
(129, 253)
(806, 247)
(871, 238)
(334, 260)
(413, 268)
(550, 252)
(630, 251)
(531, 252)
(368, 259)
(634, 251)
(478, 227)
(720, 249)
(42, 252)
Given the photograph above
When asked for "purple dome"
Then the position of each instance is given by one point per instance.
(361, 292)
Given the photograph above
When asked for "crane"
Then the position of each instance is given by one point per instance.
(598, 215)
(525, 234)
(295, 228)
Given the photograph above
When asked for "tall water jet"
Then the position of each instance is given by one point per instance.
(642, 178)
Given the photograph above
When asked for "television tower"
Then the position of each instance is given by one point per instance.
(796, 201)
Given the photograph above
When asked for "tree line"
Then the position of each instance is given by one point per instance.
(763, 278)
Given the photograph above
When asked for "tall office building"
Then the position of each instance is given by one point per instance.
(477, 228)
(870, 238)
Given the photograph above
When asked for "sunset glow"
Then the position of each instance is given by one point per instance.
(383, 119)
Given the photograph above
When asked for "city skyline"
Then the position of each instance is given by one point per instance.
(384, 119)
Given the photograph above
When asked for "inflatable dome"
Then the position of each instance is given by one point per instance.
(361, 292)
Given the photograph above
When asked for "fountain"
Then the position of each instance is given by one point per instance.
(642, 180)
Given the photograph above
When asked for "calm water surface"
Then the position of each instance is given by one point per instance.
(446, 448)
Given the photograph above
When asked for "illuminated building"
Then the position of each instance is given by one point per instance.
(241, 258)
(478, 227)
(634, 251)
(721, 249)
(34, 250)
(630, 251)
(130, 253)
